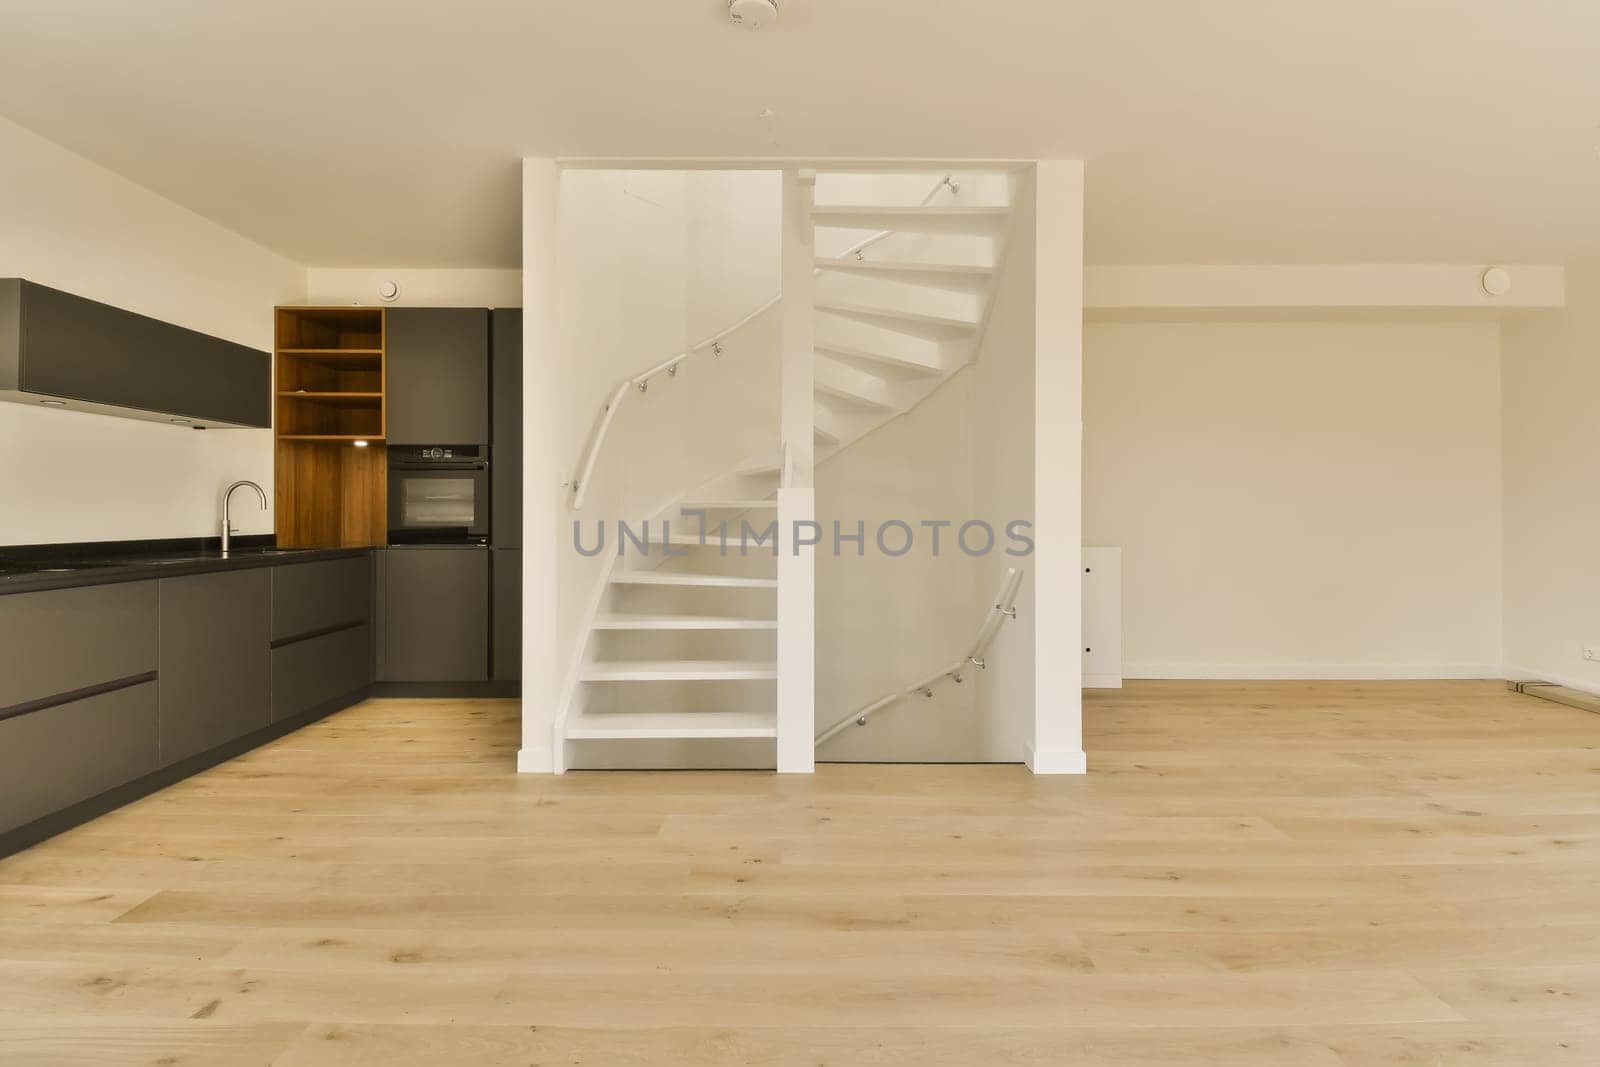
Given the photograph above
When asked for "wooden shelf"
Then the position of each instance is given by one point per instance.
(331, 387)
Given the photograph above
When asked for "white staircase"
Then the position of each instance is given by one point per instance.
(682, 644)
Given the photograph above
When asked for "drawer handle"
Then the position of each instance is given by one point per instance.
(55, 701)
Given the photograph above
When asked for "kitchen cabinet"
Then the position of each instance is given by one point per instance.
(506, 575)
(60, 755)
(59, 641)
(103, 358)
(435, 620)
(321, 634)
(77, 695)
(316, 672)
(505, 451)
(438, 376)
(316, 597)
(106, 690)
(215, 672)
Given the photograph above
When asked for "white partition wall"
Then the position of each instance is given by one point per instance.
(1057, 743)
(543, 498)
(797, 506)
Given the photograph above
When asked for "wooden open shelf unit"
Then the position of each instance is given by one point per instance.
(331, 387)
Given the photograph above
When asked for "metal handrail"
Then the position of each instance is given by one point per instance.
(1005, 607)
(669, 367)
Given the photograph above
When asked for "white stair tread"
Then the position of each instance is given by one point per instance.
(726, 505)
(632, 621)
(833, 389)
(679, 670)
(895, 217)
(901, 266)
(690, 578)
(623, 725)
(898, 315)
(759, 466)
(879, 357)
(713, 540)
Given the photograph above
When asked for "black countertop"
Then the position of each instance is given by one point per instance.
(30, 568)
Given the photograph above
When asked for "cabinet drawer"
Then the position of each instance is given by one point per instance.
(55, 757)
(318, 670)
(308, 597)
(60, 640)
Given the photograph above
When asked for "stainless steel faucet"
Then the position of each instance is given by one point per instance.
(227, 503)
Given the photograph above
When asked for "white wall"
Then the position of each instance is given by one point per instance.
(1552, 507)
(1004, 470)
(444, 287)
(882, 622)
(72, 225)
(1299, 499)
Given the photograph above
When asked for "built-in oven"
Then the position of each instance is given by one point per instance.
(438, 494)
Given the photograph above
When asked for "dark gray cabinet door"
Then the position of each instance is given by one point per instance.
(436, 614)
(60, 640)
(316, 671)
(55, 757)
(506, 665)
(505, 452)
(58, 344)
(438, 376)
(216, 671)
(312, 597)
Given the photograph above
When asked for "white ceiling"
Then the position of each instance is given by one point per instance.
(354, 132)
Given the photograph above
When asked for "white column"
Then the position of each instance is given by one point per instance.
(542, 494)
(796, 495)
(1057, 744)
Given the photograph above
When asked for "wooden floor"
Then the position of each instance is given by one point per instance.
(1275, 874)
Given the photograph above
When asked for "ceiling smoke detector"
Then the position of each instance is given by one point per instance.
(752, 14)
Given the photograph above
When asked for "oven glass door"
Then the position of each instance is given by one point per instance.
(440, 505)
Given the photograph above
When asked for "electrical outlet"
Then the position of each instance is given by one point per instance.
(1591, 652)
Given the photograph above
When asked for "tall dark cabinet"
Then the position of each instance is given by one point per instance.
(453, 613)
(438, 376)
(505, 472)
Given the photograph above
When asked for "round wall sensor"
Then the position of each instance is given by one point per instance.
(388, 290)
(752, 14)
(1496, 281)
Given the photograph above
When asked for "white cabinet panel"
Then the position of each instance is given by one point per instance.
(1102, 618)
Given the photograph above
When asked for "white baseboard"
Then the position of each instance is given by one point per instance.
(1102, 681)
(1344, 672)
(1056, 760)
(535, 761)
(1527, 674)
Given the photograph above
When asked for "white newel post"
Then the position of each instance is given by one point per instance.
(541, 475)
(1057, 743)
(796, 495)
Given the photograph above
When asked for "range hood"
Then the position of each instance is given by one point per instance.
(66, 351)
